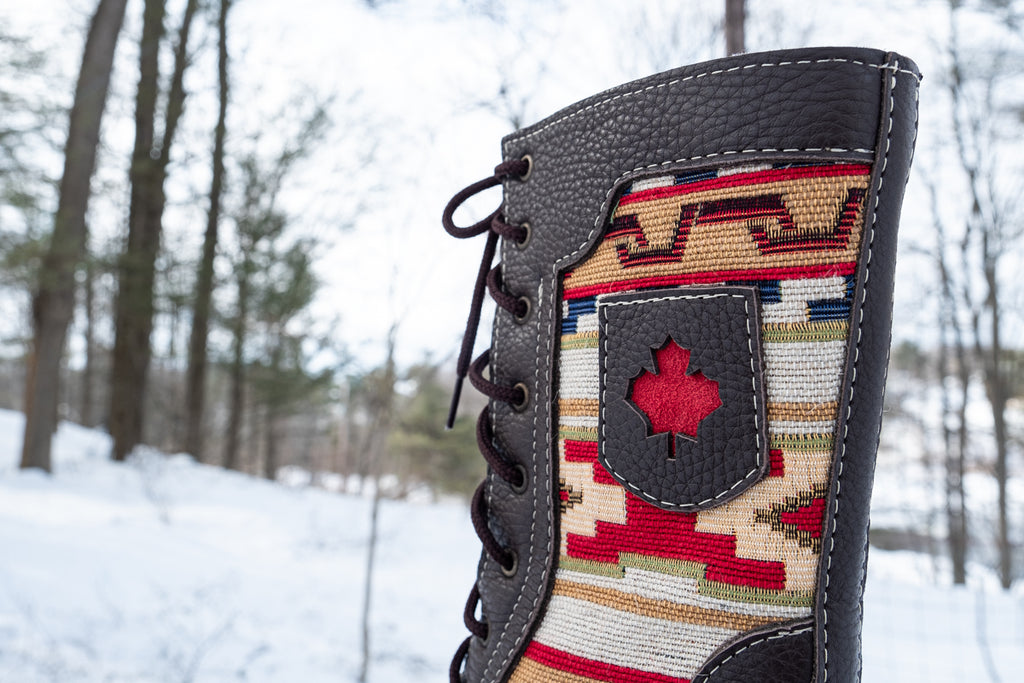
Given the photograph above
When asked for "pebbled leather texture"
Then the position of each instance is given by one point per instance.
(843, 571)
(818, 103)
(778, 655)
(718, 328)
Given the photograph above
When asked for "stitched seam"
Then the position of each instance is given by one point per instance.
(753, 384)
(533, 520)
(856, 360)
(597, 226)
(716, 72)
(758, 641)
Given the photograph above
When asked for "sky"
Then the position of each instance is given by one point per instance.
(415, 88)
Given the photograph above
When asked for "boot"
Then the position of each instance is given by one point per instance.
(686, 373)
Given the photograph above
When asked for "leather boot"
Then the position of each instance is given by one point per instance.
(686, 373)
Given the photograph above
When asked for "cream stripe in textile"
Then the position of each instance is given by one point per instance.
(812, 289)
(804, 372)
(579, 378)
(579, 421)
(658, 586)
(626, 639)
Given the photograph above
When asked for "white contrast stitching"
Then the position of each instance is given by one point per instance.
(757, 428)
(716, 72)
(536, 490)
(758, 641)
(856, 359)
(894, 68)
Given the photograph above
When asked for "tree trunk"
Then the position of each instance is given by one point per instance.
(237, 378)
(735, 16)
(376, 447)
(996, 389)
(270, 443)
(272, 415)
(371, 553)
(87, 410)
(195, 392)
(53, 303)
(134, 314)
(958, 368)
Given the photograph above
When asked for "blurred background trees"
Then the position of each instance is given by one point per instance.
(220, 264)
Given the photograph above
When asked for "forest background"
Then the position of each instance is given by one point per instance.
(234, 250)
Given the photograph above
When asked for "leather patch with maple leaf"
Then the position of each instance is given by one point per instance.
(682, 410)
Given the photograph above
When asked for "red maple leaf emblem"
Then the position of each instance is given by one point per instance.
(671, 400)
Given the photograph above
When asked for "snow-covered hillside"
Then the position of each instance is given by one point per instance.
(166, 571)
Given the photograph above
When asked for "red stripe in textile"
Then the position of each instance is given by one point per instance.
(580, 451)
(601, 475)
(672, 535)
(790, 273)
(777, 467)
(601, 671)
(586, 451)
(738, 179)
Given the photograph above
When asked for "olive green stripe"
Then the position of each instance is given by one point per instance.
(662, 565)
(585, 340)
(724, 591)
(829, 330)
(803, 442)
(614, 571)
(578, 433)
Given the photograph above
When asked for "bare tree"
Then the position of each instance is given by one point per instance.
(379, 394)
(195, 392)
(54, 300)
(990, 229)
(137, 267)
(954, 379)
(735, 15)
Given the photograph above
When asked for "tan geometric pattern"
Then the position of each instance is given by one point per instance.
(794, 232)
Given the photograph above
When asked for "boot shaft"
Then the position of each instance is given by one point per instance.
(688, 361)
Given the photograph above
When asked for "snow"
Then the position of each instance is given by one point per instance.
(161, 569)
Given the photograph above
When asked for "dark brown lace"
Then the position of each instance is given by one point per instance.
(504, 467)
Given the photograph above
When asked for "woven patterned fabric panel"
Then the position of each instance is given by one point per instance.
(648, 594)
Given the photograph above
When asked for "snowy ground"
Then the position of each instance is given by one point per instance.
(162, 570)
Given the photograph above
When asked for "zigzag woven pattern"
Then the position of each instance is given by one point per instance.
(644, 594)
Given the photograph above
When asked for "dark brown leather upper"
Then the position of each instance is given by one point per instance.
(818, 103)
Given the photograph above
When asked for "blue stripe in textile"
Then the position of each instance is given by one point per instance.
(687, 178)
(769, 290)
(828, 309)
(577, 307)
(833, 309)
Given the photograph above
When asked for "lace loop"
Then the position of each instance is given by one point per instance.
(495, 226)
(477, 627)
(515, 396)
(510, 472)
(506, 169)
(455, 670)
(478, 514)
(488, 279)
(516, 305)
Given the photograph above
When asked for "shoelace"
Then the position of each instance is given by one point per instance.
(513, 473)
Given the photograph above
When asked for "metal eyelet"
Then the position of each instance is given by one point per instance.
(521, 405)
(511, 571)
(520, 319)
(528, 158)
(521, 244)
(521, 487)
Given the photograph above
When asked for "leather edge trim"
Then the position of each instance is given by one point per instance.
(748, 640)
(884, 146)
